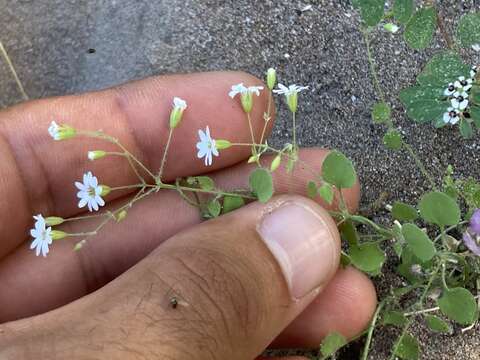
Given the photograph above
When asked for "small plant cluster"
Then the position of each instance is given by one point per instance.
(435, 242)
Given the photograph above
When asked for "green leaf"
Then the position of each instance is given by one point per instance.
(371, 11)
(404, 212)
(407, 348)
(348, 231)
(420, 244)
(394, 318)
(439, 208)
(436, 324)
(459, 305)
(214, 208)
(442, 69)
(403, 10)
(475, 114)
(231, 203)
(393, 140)
(204, 182)
(326, 192)
(466, 129)
(420, 28)
(311, 190)
(468, 31)
(332, 343)
(381, 113)
(261, 184)
(338, 170)
(367, 257)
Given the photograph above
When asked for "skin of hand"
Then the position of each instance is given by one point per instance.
(264, 276)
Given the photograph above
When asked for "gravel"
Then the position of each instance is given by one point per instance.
(49, 42)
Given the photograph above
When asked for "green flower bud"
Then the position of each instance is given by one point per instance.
(271, 78)
(121, 215)
(96, 154)
(105, 190)
(276, 163)
(222, 144)
(58, 235)
(176, 114)
(54, 220)
(247, 101)
(292, 101)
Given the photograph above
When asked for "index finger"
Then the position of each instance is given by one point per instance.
(37, 174)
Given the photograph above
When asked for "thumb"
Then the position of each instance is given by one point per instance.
(221, 290)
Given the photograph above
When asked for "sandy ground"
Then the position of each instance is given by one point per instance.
(49, 41)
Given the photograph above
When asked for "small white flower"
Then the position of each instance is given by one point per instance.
(90, 192)
(242, 89)
(473, 72)
(291, 94)
(451, 116)
(291, 90)
(476, 47)
(180, 104)
(42, 237)
(460, 102)
(246, 95)
(449, 90)
(60, 132)
(463, 84)
(206, 146)
(53, 130)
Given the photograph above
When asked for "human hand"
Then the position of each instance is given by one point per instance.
(263, 276)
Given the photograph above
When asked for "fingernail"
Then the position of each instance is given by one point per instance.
(303, 245)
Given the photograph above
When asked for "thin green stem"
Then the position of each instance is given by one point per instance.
(214, 192)
(9, 62)
(294, 137)
(419, 302)
(371, 62)
(253, 145)
(132, 187)
(420, 165)
(371, 328)
(266, 117)
(165, 153)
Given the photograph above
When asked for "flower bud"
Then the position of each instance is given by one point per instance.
(96, 154)
(271, 78)
(58, 235)
(253, 158)
(276, 163)
(121, 215)
(222, 144)
(292, 101)
(391, 28)
(105, 190)
(176, 114)
(54, 220)
(79, 245)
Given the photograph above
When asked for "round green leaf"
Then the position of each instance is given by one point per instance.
(420, 28)
(214, 208)
(231, 203)
(204, 182)
(371, 11)
(393, 140)
(381, 113)
(404, 212)
(420, 244)
(407, 348)
(436, 324)
(395, 318)
(442, 69)
(331, 343)
(459, 305)
(367, 257)
(466, 129)
(261, 184)
(439, 208)
(468, 31)
(338, 170)
(311, 189)
(326, 192)
(403, 10)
